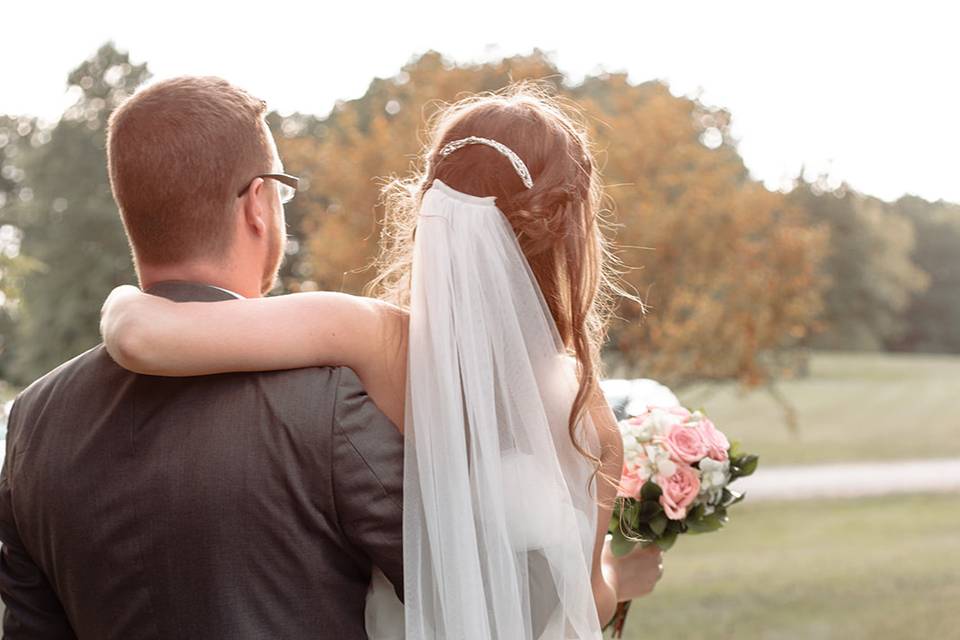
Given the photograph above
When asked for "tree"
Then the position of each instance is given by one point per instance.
(345, 156)
(17, 137)
(69, 223)
(732, 274)
(933, 316)
(62, 245)
(869, 264)
(728, 267)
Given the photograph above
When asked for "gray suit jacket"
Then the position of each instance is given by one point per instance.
(242, 505)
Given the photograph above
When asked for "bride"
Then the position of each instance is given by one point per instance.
(483, 349)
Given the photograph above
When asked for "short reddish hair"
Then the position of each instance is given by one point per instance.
(179, 151)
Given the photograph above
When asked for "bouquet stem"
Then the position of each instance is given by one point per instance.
(619, 619)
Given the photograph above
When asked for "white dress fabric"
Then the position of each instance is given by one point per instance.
(500, 513)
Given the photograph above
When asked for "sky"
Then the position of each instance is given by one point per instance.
(867, 92)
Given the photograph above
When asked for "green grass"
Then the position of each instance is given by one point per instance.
(877, 568)
(852, 407)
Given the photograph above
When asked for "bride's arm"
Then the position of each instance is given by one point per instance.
(608, 479)
(151, 335)
(635, 574)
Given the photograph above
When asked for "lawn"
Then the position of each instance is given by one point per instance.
(877, 568)
(852, 407)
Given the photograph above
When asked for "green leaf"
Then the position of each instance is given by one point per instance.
(696, 513)
(737, 498)
(708, 523)
(631, 512)
(643, 532)
(649, 510)
(676, 526)
(734, 449)
(650, 491)
(658, 524)
(749, 465)
(666, 541)
(620, 546)
(614, 522)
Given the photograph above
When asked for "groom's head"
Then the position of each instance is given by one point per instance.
(181, 152)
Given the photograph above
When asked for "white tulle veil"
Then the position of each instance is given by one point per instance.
(499, 522)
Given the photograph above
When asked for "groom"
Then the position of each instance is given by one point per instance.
(245, 505)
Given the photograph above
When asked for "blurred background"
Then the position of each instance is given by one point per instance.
(782, 188)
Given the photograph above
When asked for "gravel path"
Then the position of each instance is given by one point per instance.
(851, 479)
(841, 480)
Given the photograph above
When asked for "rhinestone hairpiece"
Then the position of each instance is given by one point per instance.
(515, 160)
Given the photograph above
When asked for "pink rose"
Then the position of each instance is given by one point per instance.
(630, 483)
(716, 441)
(679, 490)
(686, 444)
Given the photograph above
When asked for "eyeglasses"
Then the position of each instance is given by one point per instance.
(287, 185)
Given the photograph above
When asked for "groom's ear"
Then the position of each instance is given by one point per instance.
(253, 211)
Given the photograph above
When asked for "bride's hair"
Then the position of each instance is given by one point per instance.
(556, 221)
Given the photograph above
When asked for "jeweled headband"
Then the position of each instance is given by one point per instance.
(515, 160)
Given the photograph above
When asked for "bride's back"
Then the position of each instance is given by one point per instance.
(507, 287)
(555, 220)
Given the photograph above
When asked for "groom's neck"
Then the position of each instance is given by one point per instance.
(218, 275)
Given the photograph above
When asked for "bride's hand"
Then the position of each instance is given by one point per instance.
(635, 574)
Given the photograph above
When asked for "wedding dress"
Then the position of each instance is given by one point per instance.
(500, 513)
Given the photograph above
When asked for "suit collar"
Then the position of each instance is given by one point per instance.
(183, 291)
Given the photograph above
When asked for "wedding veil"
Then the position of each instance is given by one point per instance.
(499, 520)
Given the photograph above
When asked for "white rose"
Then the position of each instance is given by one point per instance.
(642, 431)
(645, 431)
(666, 467)
(714, 476)
(660, 461)
(649, 469)
(661, 421)
(631, 449)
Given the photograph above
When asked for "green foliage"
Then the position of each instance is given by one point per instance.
(716, 313)
(650, 491)
(620, 544)
(18, 136)
(934, 314)
(869, 265)
(707, 523)
(71, 249)
(742, 465)
(70, 226)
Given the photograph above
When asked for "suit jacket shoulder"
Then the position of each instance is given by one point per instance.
(237, 505)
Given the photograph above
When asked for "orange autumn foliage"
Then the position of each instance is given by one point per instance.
(729, 269)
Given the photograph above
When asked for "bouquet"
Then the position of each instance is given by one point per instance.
(677, 468)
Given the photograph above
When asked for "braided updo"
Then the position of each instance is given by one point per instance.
(555, 221)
